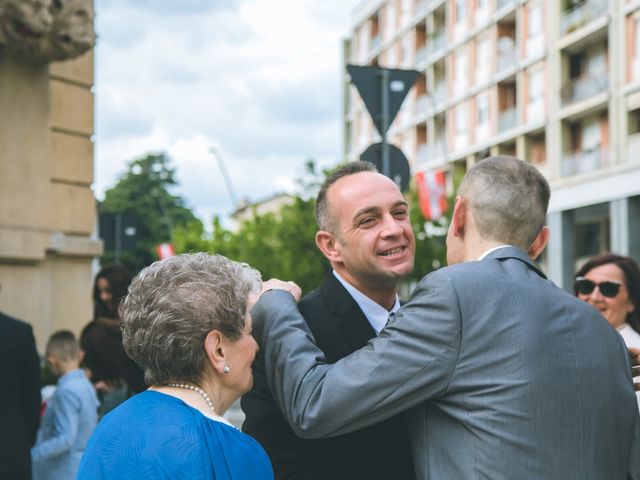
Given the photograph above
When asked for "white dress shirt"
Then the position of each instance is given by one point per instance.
(375, 313)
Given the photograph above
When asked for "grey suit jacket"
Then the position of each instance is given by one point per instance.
(505, 376)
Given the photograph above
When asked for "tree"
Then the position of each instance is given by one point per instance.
(278, 244)
(143, 192)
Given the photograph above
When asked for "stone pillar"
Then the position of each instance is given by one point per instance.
(47, 208)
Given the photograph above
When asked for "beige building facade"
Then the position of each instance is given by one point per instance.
(554, 82)
(47, 207)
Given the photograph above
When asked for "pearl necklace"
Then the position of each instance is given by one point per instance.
(196, 389)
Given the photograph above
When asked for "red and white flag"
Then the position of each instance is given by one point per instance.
(165, 250)
(432, 193)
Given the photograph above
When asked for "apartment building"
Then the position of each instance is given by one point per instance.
(556, 82)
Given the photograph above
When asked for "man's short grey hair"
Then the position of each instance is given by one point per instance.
(324, 216)
(173, 304)
(508, 198)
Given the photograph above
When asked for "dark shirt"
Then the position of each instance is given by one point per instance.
(19, 397)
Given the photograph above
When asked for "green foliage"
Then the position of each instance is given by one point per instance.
(143, 193)
(281, 245)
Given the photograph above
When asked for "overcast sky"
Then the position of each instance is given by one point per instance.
(260, 80)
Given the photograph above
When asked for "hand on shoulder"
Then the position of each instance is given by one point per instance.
(276, 284)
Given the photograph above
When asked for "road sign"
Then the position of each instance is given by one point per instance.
(399, 170)
(376, 84)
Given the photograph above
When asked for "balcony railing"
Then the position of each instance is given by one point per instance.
(633, 147)
(421, 5)
(439, 95)
(507, 60)
(421, 54)
(428, 152)
(583, 87)
(581, 14)
(375, 42)
(422, 104)
(504, 3)
(507, 119)
(435, 43)
(582, 161)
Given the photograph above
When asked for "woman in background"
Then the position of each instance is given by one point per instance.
(186, 321)
(115, 376)
(611, 283)
(109, 288)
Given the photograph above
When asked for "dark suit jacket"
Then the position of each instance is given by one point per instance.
(19, 395)
(378, 452)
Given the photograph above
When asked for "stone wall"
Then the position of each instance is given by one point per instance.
(47, 208)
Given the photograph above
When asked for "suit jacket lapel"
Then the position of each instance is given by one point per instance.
(354, 325)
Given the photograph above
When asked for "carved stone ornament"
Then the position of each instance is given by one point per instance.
(46, 30)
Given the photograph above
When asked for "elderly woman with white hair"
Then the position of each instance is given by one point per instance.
(186, 322)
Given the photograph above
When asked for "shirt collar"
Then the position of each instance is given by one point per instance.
(73, 374)
(376, 314)
(491, 250)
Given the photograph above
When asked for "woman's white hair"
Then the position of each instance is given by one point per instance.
(173, 304)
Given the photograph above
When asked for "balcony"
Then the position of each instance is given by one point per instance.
(429, 152)
(421, 5)
(582, 161)
(504, 3)
(507, 119)
(435, 43)
(422, 155)
(375, 42)
(507, 60)
(633, 147)
(583, 87)
(421, 55)
(439, 96)
(580, 15)
(422, 104)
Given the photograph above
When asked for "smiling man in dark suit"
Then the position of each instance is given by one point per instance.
(366, 235)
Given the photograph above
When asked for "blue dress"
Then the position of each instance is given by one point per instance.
(153, 435)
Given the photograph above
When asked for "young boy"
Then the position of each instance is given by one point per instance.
(71, 413)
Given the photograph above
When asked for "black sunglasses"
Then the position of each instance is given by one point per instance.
(607, 289)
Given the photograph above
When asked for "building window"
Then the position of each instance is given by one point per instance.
(461, 71)
(482, 102)
(461, 11)
(482, 10)
(462, 125)
(535, 28)
(460, 17)
(406, 52)
(535, 102)
(483, 59)
(635, 64)
(390, 20)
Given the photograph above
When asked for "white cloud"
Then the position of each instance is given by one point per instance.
(258, 79)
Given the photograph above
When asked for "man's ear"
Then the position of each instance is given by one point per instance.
(459, 217)
(328, 245)
(214, 346)
(539, 243)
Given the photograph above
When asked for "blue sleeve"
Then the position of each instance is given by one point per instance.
(66, 407)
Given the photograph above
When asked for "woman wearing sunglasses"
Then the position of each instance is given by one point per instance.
(611, 283)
